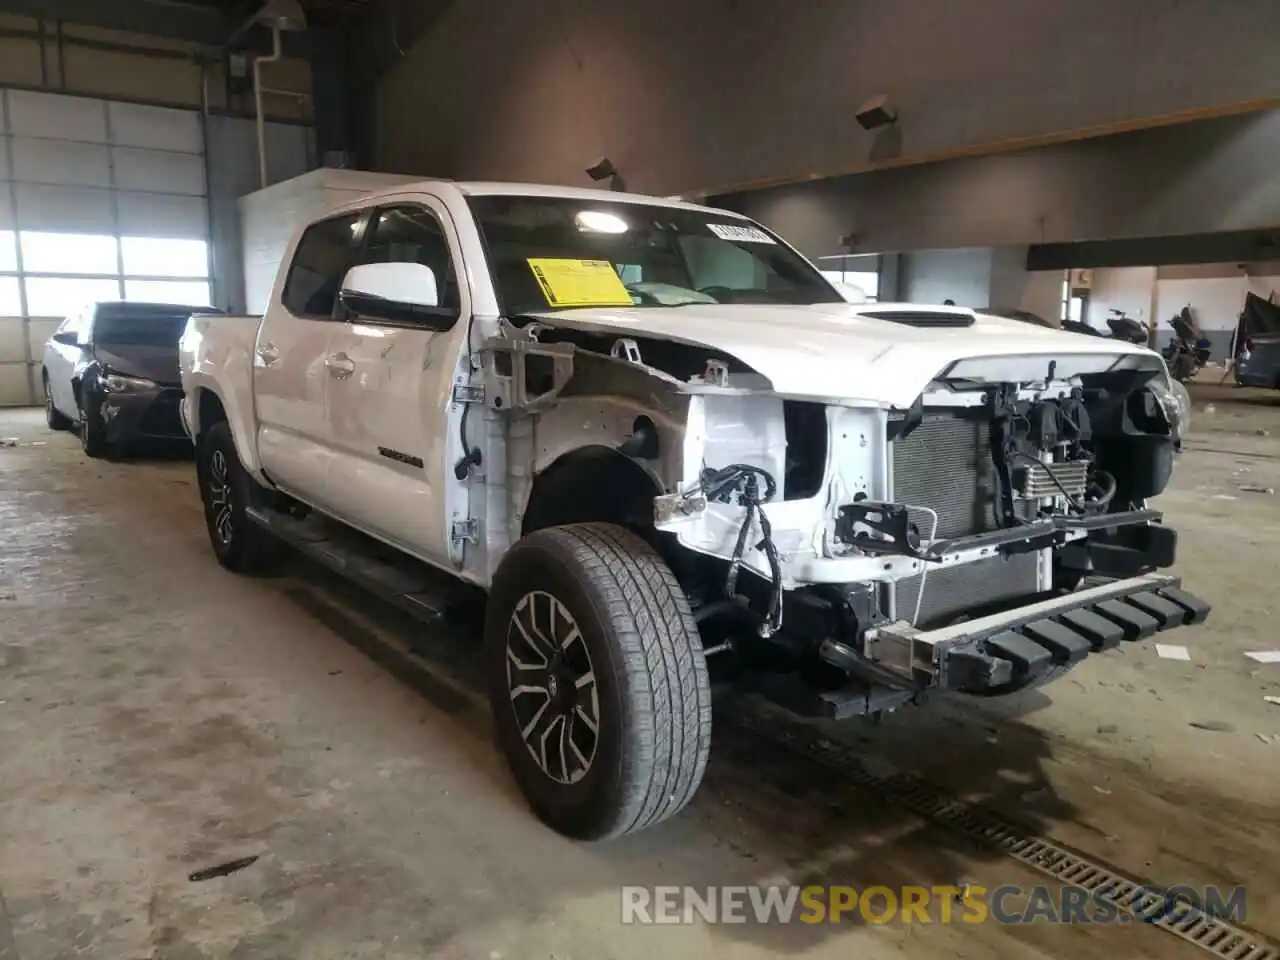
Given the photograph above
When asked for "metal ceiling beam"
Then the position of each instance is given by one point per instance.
(176, 19)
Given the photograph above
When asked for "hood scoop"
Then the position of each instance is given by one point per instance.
(922, 318)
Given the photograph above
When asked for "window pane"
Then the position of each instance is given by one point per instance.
(152, 257)
(194, 293)
(8, 250)
(59, 296)
(68, 253)
(319, 265)
(10, 301)
(414, 235)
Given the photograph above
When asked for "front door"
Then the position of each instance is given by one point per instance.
(290, 376)
(61, 362)
(394, 450)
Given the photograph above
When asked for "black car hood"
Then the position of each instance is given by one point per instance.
(140, 360)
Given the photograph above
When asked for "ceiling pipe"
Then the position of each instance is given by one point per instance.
(279, 16)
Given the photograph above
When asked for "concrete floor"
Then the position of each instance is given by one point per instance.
(159, 715)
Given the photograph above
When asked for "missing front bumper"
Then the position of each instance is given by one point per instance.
(1006, 651)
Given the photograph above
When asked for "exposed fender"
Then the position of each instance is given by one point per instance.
(590, 483)
(607, 421)
(216, 355)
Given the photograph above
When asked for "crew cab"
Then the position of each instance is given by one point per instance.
(654, 436)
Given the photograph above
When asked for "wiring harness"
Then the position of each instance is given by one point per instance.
(744, 481)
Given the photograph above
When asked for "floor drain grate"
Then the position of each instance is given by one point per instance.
(1140, 900)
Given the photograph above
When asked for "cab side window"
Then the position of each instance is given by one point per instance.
(320, 262)
(413, 234)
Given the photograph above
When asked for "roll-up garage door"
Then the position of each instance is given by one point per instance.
(99, 200)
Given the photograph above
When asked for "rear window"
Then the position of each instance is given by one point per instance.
(150, 329)
(319, 264)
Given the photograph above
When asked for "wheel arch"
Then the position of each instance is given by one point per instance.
(207, 409)
(206, 404)
(592, 483)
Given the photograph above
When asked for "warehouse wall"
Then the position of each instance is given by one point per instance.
(933, 276)
(71, 58)
(709, 96)
(1206, 177)
(1131, 289)
(233, 172)
(1215, 292)
(980, 277)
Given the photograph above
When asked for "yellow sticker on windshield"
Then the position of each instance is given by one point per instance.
(579, 283)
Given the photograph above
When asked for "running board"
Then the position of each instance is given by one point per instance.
(416, 588)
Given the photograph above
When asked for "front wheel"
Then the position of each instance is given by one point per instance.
(93, 431)
(55, 419)
(597, 680)
(240, 544)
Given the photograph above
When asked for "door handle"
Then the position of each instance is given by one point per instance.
(268, 353)
(340, 366)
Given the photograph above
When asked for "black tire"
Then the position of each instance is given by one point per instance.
(240, 544)
(93, 432)
(649, 687)
(55, 420)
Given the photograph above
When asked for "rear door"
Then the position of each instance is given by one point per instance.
(290, 379)
(390, 413)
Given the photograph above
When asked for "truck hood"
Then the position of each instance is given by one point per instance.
(837, 352)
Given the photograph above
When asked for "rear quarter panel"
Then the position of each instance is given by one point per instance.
(216, 355)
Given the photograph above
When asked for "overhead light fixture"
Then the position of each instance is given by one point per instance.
(282, 15)
(600, 221)
(876, 112)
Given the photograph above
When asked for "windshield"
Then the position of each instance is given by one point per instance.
(555, 253)
(147, 329)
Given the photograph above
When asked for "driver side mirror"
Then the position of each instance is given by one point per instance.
(402, 294)
(68, 338)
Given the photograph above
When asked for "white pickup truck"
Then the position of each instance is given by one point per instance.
(657, 437)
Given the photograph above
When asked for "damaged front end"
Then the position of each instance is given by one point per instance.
(983, 539)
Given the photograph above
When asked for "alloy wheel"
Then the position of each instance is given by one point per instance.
(552, 685)
(220, 497)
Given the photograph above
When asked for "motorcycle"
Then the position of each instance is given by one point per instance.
(1188, 351)
(1124, 327)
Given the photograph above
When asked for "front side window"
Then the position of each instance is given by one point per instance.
(412, 234)
(549, 253)
(319, 264)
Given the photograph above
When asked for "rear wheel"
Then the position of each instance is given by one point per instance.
(240, 544)
(55, 420)
(597, 680)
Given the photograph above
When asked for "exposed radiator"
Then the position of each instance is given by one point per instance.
(945, 463)
(950, 591)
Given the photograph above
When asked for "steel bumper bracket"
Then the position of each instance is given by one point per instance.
(1024, 642)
